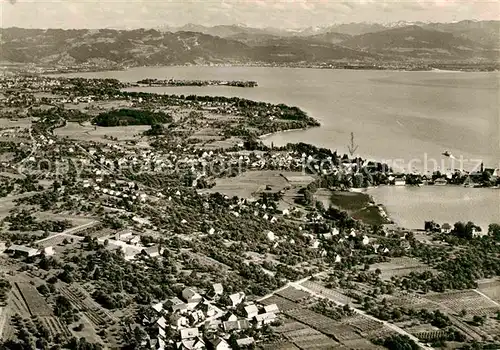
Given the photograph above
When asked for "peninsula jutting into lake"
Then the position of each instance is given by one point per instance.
(177, 82)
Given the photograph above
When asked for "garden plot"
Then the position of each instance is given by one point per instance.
(492, 327)
(82, 302)
(471, 301)
(58, 239)
(382, 332)
(282, 303)
(399, 267)
(15, 123)
(318, 342)
(293, 294)
(290, 326)
(323, 324)
(88, 332)
(361, 344)
(279, 346)
(75, 131)
(37, 305)
(326, 292)
(426, 332)
(362, 323)
(3, 321)
(307, 338)
(207, 261)
(415, 301)
(18, 304)
(249, 183)
(55, 326)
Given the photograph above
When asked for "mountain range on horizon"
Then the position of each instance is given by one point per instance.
(474, 41)
(351, 28)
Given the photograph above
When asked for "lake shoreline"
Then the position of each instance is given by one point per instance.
(471, 68)
(381, 99)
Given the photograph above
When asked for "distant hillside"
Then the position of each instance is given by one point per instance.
(483, 32)
(418, 42)
(330, 37)
(152, 47)
(241, 45)
(357, 28)
(134, 47)
(486, 33)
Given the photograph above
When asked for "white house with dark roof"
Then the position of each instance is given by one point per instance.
(162, 322)
(219, 344)
(236, 298)
(191, 344)
(153, 251)
(230, 317)
(157, 307)
(365, 240)
(209, 309)
(177, 321)
(217, 289)
(176, 305)
(190, 296)
(446, 228)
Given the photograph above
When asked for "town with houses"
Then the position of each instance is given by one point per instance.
(133, 220)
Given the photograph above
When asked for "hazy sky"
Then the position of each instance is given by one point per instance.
(257, 13)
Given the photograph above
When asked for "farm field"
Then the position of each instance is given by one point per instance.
(330, 293)
(3, 320)
(363, 324)
(293, 294)
(361, 344)
(471, 301)
(283, 304)
(323, 324)
(18, 123)
(37, 305)
(55, 326)
(88, 332)
(279, 346)
(304, 337)
(248, 184)
(98, 318)
(75, 131)
(82, 302)
(415, 301)
(58, 239)
(399, 267)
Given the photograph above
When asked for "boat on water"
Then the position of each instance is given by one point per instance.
(440, 182)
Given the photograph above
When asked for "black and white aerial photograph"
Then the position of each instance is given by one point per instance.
(249, 174)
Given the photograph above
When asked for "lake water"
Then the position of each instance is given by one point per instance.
(404, 118)
(410, 207)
